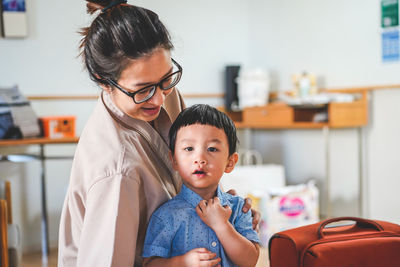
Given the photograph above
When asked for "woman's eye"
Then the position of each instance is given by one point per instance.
(188, 148)
(144, 91)
(212, 149)
(167, 82)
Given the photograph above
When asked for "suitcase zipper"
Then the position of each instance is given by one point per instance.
(339, 239)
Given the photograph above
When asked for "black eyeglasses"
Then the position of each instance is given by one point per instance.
(145, 93)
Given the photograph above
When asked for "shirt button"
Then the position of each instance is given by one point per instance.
(214, 244)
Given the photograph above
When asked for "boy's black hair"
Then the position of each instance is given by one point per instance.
(206, 115)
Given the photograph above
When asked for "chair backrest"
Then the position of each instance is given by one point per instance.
(3, 233)
(11, 240)
(5, 222)
(5, 193)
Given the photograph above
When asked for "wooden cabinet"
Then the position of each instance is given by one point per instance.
(348, 114)
(272, 115)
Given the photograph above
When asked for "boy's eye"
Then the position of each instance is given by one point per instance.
(212, 149)
(188, 148)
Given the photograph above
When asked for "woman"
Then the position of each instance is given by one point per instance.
(121, 171)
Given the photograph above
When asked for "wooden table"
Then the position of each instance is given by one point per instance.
(41, 142)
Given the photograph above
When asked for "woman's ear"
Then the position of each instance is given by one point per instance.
(232, 160)
(174, 163)
(105, 87)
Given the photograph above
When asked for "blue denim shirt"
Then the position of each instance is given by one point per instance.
(175, 228)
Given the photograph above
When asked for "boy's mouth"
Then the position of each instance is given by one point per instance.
(199, 172)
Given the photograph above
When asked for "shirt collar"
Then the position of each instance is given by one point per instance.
(193, 198)
(162, 122)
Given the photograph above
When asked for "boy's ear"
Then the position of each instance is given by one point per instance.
(232, 160)
(174, 164)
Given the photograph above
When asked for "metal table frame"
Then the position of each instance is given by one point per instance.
(362, 198)
(41, 156)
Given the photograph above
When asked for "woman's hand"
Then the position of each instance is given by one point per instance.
(246, 207)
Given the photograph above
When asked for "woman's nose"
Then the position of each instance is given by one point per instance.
(158, 97)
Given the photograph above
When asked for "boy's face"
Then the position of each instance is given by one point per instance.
(202, 156)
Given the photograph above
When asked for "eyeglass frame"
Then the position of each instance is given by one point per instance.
(152, 86)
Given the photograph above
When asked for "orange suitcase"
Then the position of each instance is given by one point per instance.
(367, 243)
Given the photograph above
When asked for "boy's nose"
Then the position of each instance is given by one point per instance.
(200, 161)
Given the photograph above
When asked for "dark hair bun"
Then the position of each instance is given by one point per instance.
(94, 5)
(118, 35)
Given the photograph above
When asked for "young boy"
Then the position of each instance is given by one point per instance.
(202, 225)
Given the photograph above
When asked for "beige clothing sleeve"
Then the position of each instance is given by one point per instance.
(120, 174)
(111, 219)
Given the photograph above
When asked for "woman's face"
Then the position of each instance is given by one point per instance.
(140, 73)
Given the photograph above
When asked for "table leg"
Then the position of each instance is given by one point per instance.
(45, 229)
(363, 185)
(328, 203)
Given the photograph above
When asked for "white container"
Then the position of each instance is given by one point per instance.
(253, 87)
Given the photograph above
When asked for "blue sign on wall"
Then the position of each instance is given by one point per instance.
(390, 45)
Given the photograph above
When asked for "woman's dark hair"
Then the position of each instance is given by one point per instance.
(118, 35)
(206, 115)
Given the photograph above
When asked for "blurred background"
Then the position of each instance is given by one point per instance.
(340, 42)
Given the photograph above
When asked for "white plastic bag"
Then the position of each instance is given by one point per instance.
(289, 207)
(253, 179)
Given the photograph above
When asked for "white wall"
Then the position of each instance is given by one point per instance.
(207, 36)
(338, 40)
(383, 161)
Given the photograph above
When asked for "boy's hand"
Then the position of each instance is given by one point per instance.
(199, 257)
(212, 213)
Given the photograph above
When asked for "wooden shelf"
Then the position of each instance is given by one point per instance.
(279, 115)
(38, 141)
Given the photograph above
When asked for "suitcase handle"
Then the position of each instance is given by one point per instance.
(359, 222)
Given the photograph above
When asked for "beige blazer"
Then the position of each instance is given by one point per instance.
(120, 174)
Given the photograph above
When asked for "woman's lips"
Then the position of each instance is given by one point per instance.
(151, 111)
